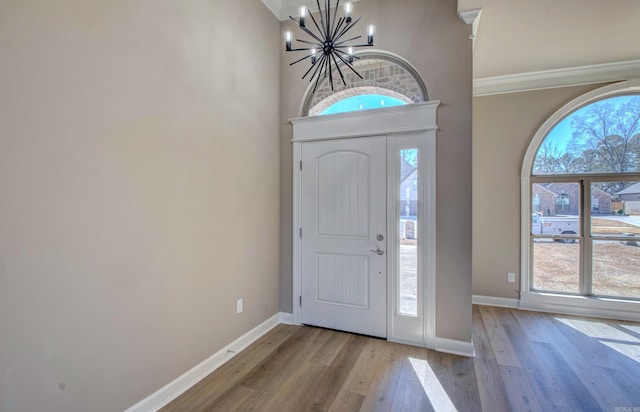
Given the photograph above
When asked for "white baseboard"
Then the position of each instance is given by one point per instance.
(174, 389)
(286, 318)
(455, 347)
(493, 301)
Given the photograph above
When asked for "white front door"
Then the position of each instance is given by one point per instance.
(343, 216)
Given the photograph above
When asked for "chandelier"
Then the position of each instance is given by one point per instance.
(328, 46)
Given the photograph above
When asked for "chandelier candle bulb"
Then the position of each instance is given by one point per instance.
(287, 39)
(371, 30)
(350, 54)
(303, 16)
(348, 8)
(313, 56)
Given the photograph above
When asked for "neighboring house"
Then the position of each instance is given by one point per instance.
(566, 199)
(631, 193)
(408, 189)
(543, 200)
(631, 198)
(408, 200)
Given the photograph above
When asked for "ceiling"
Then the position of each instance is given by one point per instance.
(567, 41)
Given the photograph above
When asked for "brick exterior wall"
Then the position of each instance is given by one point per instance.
(382, 78)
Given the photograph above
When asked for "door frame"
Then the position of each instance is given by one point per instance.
(415, 122)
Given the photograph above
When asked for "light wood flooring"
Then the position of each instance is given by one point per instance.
(525, 361)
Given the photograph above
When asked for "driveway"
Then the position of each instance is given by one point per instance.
(632, 220)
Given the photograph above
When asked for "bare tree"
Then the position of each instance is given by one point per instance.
(608, 136)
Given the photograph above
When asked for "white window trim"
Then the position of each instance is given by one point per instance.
(577, 305)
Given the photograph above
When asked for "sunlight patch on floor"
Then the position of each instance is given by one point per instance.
(432, 387)
(625, 343)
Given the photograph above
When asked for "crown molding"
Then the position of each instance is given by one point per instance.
(282, 9)
(549, 79)
(471, 17)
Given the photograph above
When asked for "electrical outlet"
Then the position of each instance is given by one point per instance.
(239, 306)
(511, 277)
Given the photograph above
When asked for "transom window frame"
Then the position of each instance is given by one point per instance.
(585, 303)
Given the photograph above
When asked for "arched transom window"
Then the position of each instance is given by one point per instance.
(581, 203)
(384, 80)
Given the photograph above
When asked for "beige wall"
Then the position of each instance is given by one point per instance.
(435, 41)
(503, 126)
(525, 36)
(139, 193)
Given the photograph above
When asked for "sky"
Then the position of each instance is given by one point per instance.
(560, 135)
(362, 102)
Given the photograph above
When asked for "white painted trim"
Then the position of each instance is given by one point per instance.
(398, 119)
(548, 79)
(421, 329)
(455, 347)
(581, 306)
(172, 390)
(286, 318)
(297, 224)
(495, 301)
(471, 17)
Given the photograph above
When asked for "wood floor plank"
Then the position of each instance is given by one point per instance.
(502, 350)
(521, 396)
(543, 383)
(328, 385)
(364, 371)
(491, 388)
(534, 325)
(296, 351)
(347, 402)
(384, 382)
(328, 352)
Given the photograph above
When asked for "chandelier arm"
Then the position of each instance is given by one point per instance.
(344, 41)
(347, 28)
(339, 71)
(310, 42)
(341, 21)
(310, 33)
(328, 11)
(318, 64)
(317, 27)
(330, 73)
(354, 45)
(349, 66)
(333, 25)
(346, 54)
(299, 60)
(317, 78)
(321, 19)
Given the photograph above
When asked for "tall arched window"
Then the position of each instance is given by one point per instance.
(587, 156)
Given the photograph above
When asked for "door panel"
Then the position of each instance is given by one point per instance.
(343, 217)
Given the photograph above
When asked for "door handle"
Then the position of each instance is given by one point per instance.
(379, 251)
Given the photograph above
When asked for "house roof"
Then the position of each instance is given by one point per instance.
(405, 169)
(631, 190)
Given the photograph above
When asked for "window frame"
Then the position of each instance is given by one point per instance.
(586, 303)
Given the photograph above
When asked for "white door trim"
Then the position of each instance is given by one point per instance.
(417, 117)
